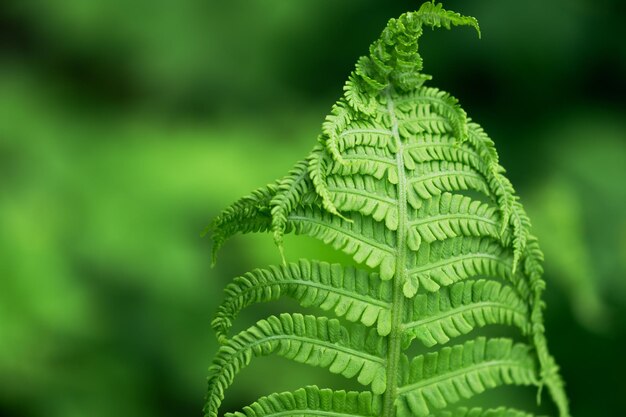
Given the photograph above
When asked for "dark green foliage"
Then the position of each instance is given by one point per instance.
(407, 185)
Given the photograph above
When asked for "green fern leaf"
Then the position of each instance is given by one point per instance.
(407, 185)
(430, 101)
(357, 295)
(313, 402)
(289, 193)
(460, 372)
(315, 341)
(450, 215)
(431, 179)
(438, 317)
(249, 214)
(366, 240)
(442, 263)
(362, 194)
(364, 160)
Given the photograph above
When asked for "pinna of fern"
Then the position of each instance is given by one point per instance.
(407, 185)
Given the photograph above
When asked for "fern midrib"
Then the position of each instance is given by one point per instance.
(448, 261)
(371, 158)
(461, 309)
(447, 173)
(432, 117)
(453, 216)
(330, 288)
(344, 231)
(374, 131)
(313, 341)
(508, 363)
(302, 413)
(361, 193)
(444, 145)
(394, 350)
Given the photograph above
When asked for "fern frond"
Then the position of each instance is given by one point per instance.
(436, 318)
(433, 178)
(442, 104)
(361, 193)
(289, 192)
(394, 58)
(438, 379)
(336, 122)
(357, 295)
(407, 185)
(443, 147)
(366, 240)
(434, 15)
(343, 130)
(365, 133)
(316, 341)
(442, 263)
(549, 369)
(249, 214)
(315, 402)
(512, 212)
(451, 215)
(422, 120)
(358, 88)
(363, 160)
(318, 169)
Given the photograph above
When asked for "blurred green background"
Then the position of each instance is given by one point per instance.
(125, 125)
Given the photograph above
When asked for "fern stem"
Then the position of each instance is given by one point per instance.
(397, 307)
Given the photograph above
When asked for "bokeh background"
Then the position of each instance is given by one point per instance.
(126, 125)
